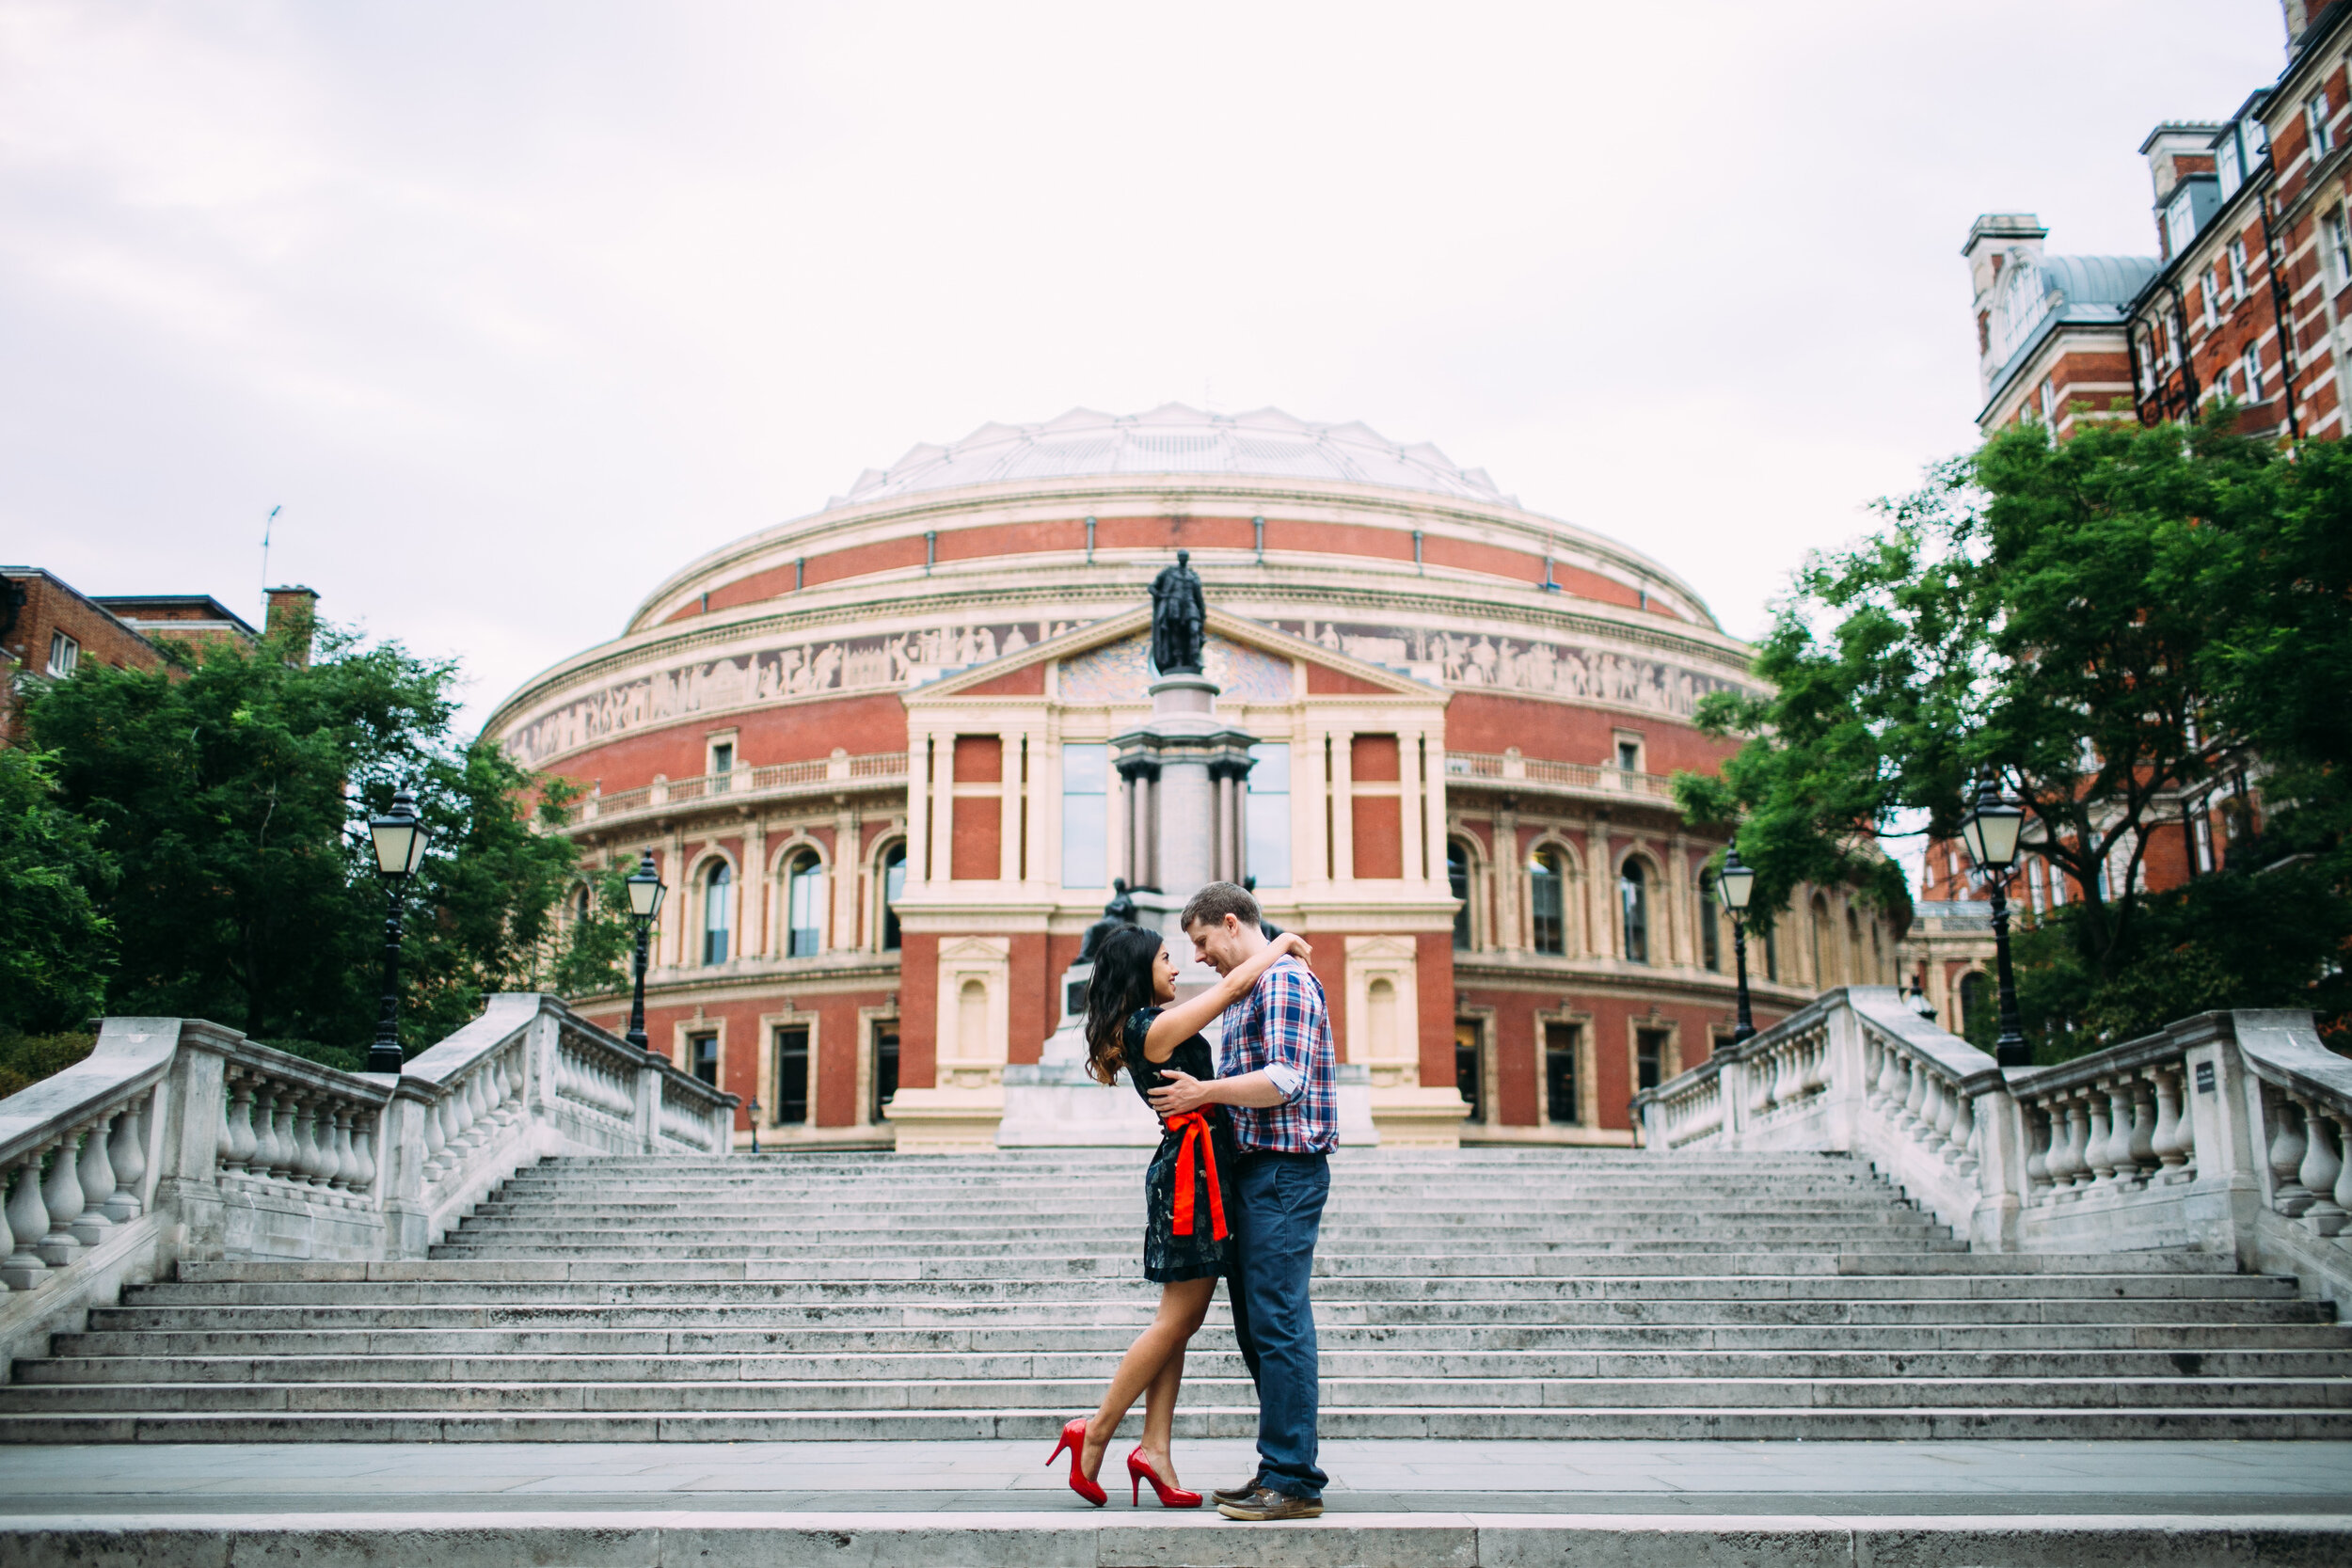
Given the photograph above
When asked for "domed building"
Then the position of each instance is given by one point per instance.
(876, 754)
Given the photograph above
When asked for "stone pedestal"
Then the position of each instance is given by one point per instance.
(1053, 1104)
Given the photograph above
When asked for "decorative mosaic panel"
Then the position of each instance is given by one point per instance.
(1120, 671)
(1515, 664)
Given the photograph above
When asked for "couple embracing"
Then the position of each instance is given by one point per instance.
(1234, 1192)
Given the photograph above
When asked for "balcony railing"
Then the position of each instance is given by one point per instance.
(778, 778)
(1541, 774)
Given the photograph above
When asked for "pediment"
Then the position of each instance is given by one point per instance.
(1105, 661)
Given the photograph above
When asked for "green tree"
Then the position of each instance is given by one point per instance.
(2101, 623)
(232, 791)
(56, 946)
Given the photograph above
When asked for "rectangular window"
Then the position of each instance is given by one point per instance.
(2180, 223)
(2211, 303)
(702, 1057)
(1466, 1073)
(1628, 756)
(2049, 402)
(790, 1087)
(1561, 1105)
(1649, 1058)
(885, 1067)
(721, 766)
(2315, 121)
(2226, 163)
(805, 907)
(64, 654)
(2251, 366)
(2238, 269)
(1086, 815)
(1267, 823)
(1710, 930)
(2339, 245)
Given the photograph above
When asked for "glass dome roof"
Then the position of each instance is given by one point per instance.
(1174, 439)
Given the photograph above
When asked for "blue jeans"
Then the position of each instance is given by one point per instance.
(1279, 1212)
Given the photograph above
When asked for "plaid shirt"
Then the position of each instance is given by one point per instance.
(1284, 1020)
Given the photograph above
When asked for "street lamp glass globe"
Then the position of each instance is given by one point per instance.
(399, 837)
(1735, 883)
(1991, 830)
(645, 890)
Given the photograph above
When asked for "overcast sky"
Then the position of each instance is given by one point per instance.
(515, 308)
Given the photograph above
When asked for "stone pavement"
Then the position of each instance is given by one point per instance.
(1393, 1504)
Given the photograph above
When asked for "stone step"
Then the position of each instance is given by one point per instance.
(463, 1536)
(1128, 1315)
(1066, 1338)
(1195, 1421)
(882, 1259)
(1079, 1393)
(1691, 1237)
(1340, 1366)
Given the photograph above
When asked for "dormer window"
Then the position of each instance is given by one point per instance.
(2180, 222)
(2315, 121)
(2225, 157)
(2023, 301)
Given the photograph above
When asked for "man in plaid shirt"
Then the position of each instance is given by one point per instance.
(1278, 1080)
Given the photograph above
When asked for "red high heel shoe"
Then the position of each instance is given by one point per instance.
(1073, 1437)
(1139, 1470)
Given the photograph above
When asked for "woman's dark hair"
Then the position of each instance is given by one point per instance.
(1122, 985)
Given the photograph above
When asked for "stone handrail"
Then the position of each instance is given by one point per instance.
(1582, 777)
(2224, 1133)
(780, 778)
(179, 1139)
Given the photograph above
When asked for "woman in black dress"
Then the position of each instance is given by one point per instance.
(1134, 1022)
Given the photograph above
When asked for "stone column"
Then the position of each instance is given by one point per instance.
(1432, 807)
(1009, 804)
(750, 916)
(847, 856)
(1311, 813)
(1680, 899)
(1509, 932)
(1342, 805)
(1601, 901)
(678, 904)
(1408, 808)
(943, 807)
(918, 812)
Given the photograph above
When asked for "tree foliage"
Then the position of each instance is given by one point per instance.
(232, 791)
(2102, 625)
(57, 945)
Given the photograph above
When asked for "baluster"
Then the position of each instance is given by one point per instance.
(61, 1194)
(238, 1147)
(1914, 1097)
(285, 1153)
(306, 1160)
(95, 1175)
(2289, 1196)
(2068, 1167)
(2038, 1178)
(363, 1152)
(1817, 1077)
(2141, 1147)
(28, 1220)
(1963, 1134)
(2165, 1144)
(1872, 1055)
(2321, 1165)
(436, 1144)
(2343, 1161)
(127, 1154)
(1947, 1111)
(2101, 1149)
(1890, 1101)
(340, 1180)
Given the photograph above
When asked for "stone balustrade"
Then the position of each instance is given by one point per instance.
(179, 1139)
(2225, 1133)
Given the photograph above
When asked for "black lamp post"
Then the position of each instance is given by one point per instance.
(644, 902)
(398, 837)
(1991, 830)
(753, 1110)
(1734, 884)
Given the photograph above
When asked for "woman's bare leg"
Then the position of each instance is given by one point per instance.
(1159, 1416)
(1183, 1305)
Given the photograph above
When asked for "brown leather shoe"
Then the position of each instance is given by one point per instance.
(1266, 1503)
(1235, 1494)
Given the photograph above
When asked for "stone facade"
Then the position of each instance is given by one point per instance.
(873, 752)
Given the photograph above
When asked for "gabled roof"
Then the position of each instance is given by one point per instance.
(1137, 622)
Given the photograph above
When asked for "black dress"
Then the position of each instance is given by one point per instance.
(1166, 1255)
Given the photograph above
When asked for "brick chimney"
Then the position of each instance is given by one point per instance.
(293, 611)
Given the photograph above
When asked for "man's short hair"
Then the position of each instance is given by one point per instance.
(1212, 904)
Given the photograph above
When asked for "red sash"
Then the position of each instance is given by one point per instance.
(1195, 1128)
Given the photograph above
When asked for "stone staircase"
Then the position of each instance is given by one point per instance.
(1483, 1293)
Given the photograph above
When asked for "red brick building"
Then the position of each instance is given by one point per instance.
(871, 752)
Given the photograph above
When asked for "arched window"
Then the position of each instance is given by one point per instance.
(1457, 881)
(1819, 931)
(1853, 946)
(1711, 934)
(894, 882)
(1976, 1006)
(718, 911)
(583, 905)
(803, 906)
(1547, 886)
(1633, 899)
(1771, 947)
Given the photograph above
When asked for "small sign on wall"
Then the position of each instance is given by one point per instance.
(2204, 1078)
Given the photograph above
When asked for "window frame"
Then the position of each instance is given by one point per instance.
(1558, 870)
(65, 654)
(717, 881)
